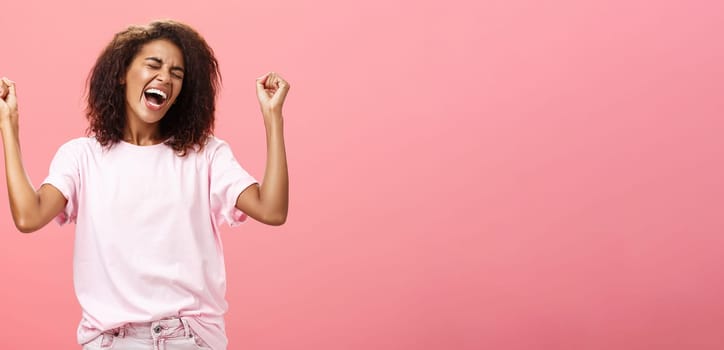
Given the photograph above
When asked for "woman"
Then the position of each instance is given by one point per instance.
(148, 189)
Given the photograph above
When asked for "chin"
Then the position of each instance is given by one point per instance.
(151, 118)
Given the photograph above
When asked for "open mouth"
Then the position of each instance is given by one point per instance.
(155, 98)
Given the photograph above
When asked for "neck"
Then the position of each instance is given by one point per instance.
(142, 135)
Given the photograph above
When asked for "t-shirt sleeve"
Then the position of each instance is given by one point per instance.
(64, 174)
(227, 180)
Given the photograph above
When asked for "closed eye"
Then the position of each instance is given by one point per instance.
(177, 72)
(156, 63)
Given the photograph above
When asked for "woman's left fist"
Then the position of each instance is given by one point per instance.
(271, 90)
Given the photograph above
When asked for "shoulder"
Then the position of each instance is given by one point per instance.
(213, 142)
(218, 152)
(214, 145)
(72, 152)
(79, 144)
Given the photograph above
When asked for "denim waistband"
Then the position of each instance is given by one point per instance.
(171, 327)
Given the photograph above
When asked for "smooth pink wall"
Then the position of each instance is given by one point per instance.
(464, 175)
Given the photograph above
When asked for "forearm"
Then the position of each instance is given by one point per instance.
(24, 202)
(274, 191)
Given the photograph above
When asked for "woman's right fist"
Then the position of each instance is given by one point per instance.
(4, 88)
(8, 104)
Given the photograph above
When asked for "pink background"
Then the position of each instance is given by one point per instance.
(464, 175)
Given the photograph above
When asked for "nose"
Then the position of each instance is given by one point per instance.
(163, 76)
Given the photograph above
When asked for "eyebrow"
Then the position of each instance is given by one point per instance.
(160, 61)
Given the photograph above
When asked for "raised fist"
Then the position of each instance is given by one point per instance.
(4, 88)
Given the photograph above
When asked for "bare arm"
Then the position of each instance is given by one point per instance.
(269, 203)
(31, 210)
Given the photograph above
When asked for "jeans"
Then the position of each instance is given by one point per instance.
(165, 334)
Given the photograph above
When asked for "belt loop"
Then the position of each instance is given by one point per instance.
(187, 331)
(122, 331)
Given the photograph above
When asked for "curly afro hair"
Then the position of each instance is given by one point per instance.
(190, 120)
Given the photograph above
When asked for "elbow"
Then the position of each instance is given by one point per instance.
(25, 227)
(281, 221)
(276, 220)
(26, 223)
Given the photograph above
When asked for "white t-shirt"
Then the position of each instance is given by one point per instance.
(147, 242)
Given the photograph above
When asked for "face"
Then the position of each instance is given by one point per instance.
(153, 81)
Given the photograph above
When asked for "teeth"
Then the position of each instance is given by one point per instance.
(157, 92)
